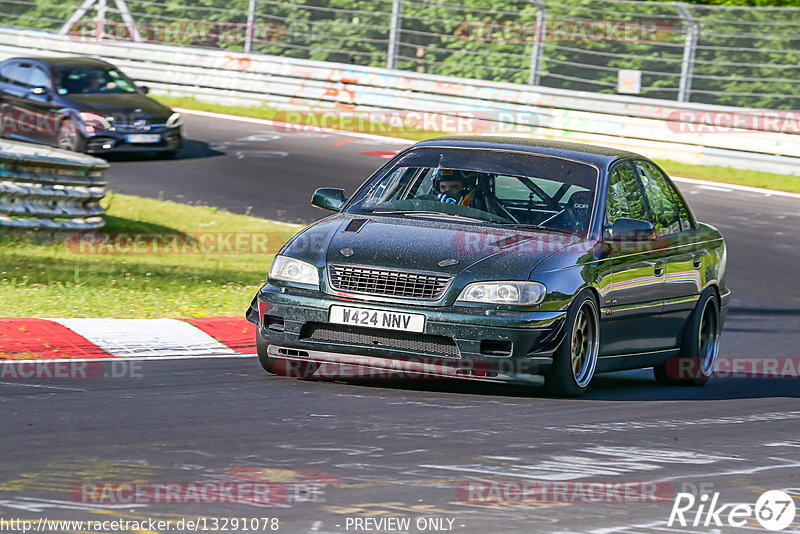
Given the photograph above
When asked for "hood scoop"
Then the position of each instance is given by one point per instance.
(355, 225)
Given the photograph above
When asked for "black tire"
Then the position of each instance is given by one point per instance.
(261, 349)
(699, 347)
(575, 360)
(281, 367)
(69, 138)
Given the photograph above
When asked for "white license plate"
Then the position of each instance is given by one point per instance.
(407, 322)
(143, 138)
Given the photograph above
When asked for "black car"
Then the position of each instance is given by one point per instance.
(85, 105)
(499, 259)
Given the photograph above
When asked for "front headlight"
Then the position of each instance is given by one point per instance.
(95, 120)
(174, 120)
(514, 293)
(292, 270)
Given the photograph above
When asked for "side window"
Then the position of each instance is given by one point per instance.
(39, 78)
(7, 71)
(21, 75)
(624, 197)
(387, 189)
(509, 188)
(683, 209)
(660, 201)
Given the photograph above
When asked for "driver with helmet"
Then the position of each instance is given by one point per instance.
(455, 187)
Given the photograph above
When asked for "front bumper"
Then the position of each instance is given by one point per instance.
(461, 342)
(103, 141)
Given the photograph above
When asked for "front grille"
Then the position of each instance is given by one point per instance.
(353, 335)
(374, 281)
(129, 124)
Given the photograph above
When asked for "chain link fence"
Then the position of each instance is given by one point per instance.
(736, 56)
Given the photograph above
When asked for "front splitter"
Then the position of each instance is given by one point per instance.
(335, 365)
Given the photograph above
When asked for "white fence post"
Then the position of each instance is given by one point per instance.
(394, 34)
(689, 47)
(251, 23)
(538, 39)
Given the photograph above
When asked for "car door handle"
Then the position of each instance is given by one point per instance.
(658, 269)
(697, 262)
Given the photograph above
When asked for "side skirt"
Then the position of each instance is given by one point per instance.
(622, 362)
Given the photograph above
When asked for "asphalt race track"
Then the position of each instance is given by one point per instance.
(381, 450)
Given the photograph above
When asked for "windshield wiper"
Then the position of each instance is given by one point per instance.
(537, 227)
(438, 214)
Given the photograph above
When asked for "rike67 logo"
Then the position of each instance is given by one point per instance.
(774, 510)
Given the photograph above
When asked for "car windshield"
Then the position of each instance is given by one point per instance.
(488, 185)
(90, 80)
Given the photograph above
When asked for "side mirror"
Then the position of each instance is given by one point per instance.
(329, 199)
(144, 89)
(627, 228)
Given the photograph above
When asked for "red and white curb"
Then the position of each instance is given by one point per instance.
(125, 338)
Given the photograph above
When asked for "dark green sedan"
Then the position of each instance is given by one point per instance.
(502, 260)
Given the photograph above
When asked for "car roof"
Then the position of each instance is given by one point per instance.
(599, 156)
(75, 61)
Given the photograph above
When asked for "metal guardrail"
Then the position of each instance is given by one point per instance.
(633, 123)
(44, 188)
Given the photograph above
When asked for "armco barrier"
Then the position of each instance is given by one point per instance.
(648, 126)
(49, 189)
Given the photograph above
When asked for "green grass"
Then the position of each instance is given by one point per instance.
(768, 180)
(56, 280)
(780, 182)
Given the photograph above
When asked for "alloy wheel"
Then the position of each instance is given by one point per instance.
(584, 345)
(708, 339)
